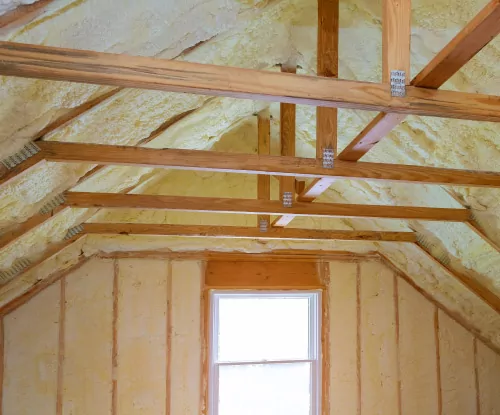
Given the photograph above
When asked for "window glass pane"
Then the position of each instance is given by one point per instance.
(265, 389)
(258, 328)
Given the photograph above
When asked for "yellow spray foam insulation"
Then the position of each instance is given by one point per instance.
(279, 29)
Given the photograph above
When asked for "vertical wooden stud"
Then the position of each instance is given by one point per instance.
(114, 352)
(287, 137)
(396, 31)
(328, 66)
(264, 148)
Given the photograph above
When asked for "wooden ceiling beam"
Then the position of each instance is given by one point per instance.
(45, 62)
(253, 206)
(259, 164)
(244, 232)
(38, 219)
(461, 49)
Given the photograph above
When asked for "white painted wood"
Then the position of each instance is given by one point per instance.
(488, 370)
(343, 339)
(186, 338)
(417, 346)
(141, 329)
(87, 375)
(457, 368)
(31, 352)
(379, 371)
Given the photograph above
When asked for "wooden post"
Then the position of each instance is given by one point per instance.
(287, 139)
(264, 148)
(396, 26)
(328, 66)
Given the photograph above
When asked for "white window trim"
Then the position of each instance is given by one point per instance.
(315, 308)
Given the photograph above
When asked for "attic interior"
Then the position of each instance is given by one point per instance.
(250, 207)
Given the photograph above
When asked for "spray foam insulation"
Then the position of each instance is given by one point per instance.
(252, 34)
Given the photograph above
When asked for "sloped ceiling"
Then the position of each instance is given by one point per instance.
(253, 34)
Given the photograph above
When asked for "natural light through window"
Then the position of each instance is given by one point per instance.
(265, 350)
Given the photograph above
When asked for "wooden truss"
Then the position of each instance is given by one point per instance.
(422, 97)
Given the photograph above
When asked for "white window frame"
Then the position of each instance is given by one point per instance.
(314, 297)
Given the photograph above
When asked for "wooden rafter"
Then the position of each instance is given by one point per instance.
(39, 286)
(244, 232)
(488, 296)
(44, 62)
(23, 14)
(21, 169)
(39, 219)
(51, 250)
(32, 223)
(253, 206)
(452, 314)
(461, 49)
(255, 164)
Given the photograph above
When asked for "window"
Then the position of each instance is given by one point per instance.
(265, 353)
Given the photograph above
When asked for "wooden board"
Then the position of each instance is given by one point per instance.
(261, 275)
(376, 129)
(142, 337)
(21, 169)
(32, 223)
(287, 137)
(22, 15)
(328, 66)
(31, 335)
(396, 27)
(457, 368)
(87, 372)
(252, 206)
(379, 368)
(264, 148)
(417, 347)
(243, 232)
(186, 353)
(45, 62)
(255, 164)
(462, 48)
(488, 371)
(344, 339)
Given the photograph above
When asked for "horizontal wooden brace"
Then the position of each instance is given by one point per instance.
(260, 164)
(46, 62)
(244, 232)
(254, 206)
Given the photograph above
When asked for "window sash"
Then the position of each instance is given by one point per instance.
(314, 298)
